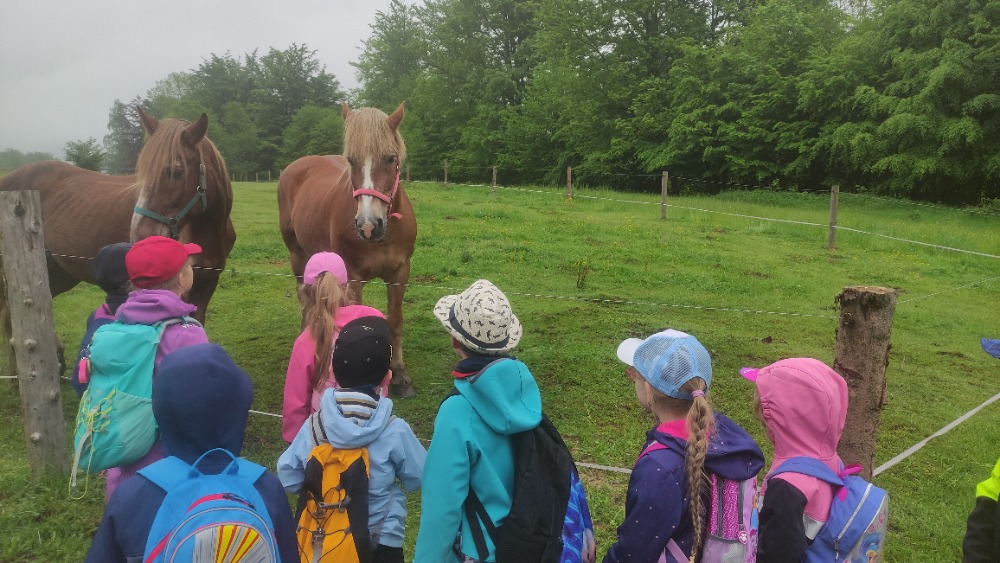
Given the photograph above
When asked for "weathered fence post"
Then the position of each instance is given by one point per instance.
(569, 182)
(861, 356)
(446, 173)
(407, 171)
(33, 336)
(664, 182)
(494, 182)
(831, 239)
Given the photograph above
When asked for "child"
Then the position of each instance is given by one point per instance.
(356, 415)
(472, 446)
(324, 302)
(160, 269)
(671, 372)
(111, 275)
(982, 534)
(201, 401)
(803, 405)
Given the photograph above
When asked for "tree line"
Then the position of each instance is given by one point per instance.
(893, 97)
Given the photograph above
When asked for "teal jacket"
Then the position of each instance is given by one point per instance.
(472, 446)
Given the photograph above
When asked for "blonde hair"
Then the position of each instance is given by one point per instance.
(701, 422)
(320, 302)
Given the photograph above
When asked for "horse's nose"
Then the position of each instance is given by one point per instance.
(371, 228)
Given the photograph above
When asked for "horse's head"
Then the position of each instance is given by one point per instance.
(171, 175)
(374, 149)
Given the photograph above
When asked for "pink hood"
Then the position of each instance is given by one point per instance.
(804, 404)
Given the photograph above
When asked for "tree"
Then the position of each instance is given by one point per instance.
(12, 158)
(314, 130)
(125, 137)
(85, 154)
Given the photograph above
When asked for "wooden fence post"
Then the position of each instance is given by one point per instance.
(831, 239)
(569, 182)
(664, 182)
(494, 183)
(407, 171)
(446, 173)
(861, 356)
(33, 336)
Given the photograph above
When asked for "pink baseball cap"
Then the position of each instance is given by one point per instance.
(325, 262)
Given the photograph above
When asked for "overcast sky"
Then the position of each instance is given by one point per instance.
(63, 63)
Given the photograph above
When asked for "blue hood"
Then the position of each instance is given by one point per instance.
(350, 433)
(201, 401)
(505, 395)
(732, 453)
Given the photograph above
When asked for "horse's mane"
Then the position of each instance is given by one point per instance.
(164, 148)
(367, 132)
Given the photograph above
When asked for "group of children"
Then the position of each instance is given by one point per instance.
(336, 394)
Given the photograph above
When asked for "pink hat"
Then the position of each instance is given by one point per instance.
(325, 262)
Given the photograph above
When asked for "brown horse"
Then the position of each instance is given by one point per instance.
(354, 205)
(181, 190)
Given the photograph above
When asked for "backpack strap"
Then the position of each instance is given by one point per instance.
(813, 468)
(316, 428)
(475, 513)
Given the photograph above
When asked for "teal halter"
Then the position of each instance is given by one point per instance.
(174, 221)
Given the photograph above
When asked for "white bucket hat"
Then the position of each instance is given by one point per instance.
(480, 318)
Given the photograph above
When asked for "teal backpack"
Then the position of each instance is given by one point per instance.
(115, 424)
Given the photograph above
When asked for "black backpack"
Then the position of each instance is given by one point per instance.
(532, 531)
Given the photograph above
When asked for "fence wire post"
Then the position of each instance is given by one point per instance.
(569, 183)
(33, 336)
(494, 183)
(664, 182)
(407, 171)
(831, 239)
(446, 173)
(862, 354)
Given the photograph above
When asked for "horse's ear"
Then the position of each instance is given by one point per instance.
(149, 123)
(345, 110)
(196, 131)
(397, 117)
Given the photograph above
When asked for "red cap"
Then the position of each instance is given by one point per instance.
(154, 260)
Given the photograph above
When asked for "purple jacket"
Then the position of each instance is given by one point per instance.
(148, 306)
(656, 505)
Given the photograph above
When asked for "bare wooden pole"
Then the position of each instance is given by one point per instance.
(861, 356)
(407, 171)
(446, 173)
(831, 239)
(33, 335)
(569, 182)
(494, 182)
(664, 182)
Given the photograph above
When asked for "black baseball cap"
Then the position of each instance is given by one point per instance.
(361, 353)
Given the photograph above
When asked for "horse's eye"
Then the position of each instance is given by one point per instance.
(390, 159)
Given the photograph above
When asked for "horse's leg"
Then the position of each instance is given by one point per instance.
(402, 384)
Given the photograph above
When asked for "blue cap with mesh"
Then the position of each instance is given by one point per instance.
(668, 360)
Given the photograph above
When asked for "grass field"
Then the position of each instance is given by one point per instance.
(584, 274)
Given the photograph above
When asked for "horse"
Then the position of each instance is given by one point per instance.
(181, 189)
(354, 205)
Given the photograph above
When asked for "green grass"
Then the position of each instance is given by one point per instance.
(582, 275)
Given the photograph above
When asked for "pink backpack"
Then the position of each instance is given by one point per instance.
(731, 536)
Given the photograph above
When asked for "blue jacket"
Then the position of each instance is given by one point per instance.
(394, 452)
(656, 505)
(192, 420)
(472, 447)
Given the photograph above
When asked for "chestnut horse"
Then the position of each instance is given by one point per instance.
(355, 206)
(181, 190)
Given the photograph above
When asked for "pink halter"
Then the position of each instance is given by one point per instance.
(379, 195)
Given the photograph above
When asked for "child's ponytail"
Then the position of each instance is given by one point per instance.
(322, 299)
(700, 421)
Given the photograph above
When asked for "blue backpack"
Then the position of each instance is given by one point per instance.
(115, 424)
(858, 517)
(218, 518)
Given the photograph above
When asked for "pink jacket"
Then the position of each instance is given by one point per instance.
(300, 398)
(804, 405)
